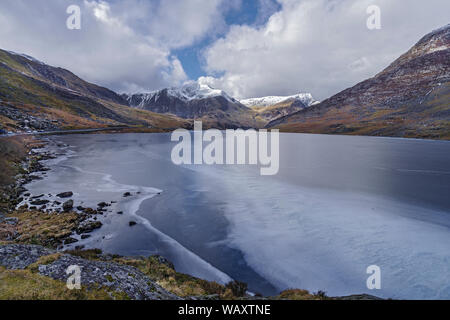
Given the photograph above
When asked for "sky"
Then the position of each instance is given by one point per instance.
(248, 48)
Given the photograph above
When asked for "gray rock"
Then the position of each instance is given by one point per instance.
(17, 257)
(116, 277)
(88, 226)
(67, 194)
(39, 202)
(68, 205)
(102, 205)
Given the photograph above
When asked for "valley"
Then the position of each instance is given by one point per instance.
(408, 99)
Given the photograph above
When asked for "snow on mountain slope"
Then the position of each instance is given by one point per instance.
(188, 92)
(305, 98)
(196, 91)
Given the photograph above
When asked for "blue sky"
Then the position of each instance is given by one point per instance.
(249, 12)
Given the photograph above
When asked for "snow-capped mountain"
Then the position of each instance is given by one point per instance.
(410, 98)
(305, 98)
(187, 93)
(191, 100)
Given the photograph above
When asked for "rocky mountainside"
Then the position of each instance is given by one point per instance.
(196, 101)
(190, 101)
(305, 99)
(36, 96)
(410, 98)
(274, 107)
(62, 78)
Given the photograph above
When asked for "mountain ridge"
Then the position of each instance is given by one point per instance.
(305, 98)
(37, 96)
(409, 98)
(198, 101)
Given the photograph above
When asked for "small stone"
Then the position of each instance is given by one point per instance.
(132, 223)
(127, 194)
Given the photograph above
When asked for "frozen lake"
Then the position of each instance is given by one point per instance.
(338, 205)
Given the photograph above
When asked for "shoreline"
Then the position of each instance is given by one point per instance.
(292, 294)
(168, 130)
(127, 200)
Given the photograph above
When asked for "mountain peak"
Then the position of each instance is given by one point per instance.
(408, 98)
(305, 98)
(188, 92)
(434, 42)
(193, 90)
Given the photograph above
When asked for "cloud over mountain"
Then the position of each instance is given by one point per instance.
(124, 45)
(317, 46)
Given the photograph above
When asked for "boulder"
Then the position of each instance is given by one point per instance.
(67, 194)
(68, 205)
(39, 202)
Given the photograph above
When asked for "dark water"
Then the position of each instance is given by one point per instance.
(338, 205)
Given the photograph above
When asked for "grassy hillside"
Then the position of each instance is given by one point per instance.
(429, 118)
(410, 98)
(56, 98)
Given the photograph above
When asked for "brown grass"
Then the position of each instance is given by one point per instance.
(27, 285)
(46, 229)
(13, 150)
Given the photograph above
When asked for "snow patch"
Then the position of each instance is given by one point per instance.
(190, 91)
(305, 98)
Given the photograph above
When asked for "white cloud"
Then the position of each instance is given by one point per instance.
(124, 45)
(318, 46)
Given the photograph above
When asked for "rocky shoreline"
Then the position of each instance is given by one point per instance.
(21, 205)
(35, 232)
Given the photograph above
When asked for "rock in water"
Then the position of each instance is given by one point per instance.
(67, 194)
(68, 205)
(39, 202)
